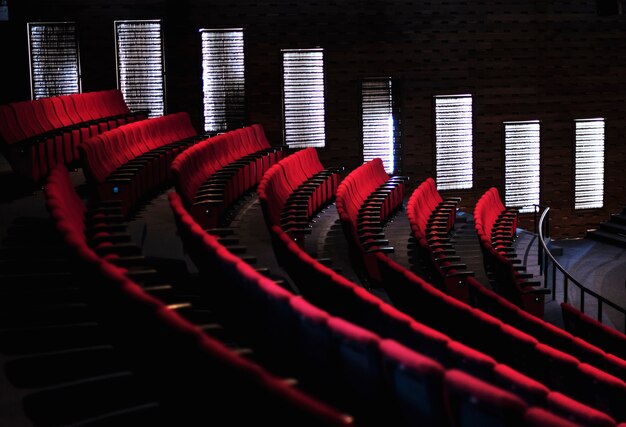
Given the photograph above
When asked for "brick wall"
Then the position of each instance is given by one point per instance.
(520, 59)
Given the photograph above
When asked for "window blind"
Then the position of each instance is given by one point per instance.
(140, 65)
(303, 97)
(378, 122)
(54, 59)
(454, 142)
(589, 164)
(223, 79)
(522, 164)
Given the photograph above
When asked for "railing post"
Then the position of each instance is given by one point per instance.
(540, 247)
(544, 270)
(543, 226)
(582, 301)
(553, 286)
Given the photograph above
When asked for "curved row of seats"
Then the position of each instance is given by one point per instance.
(212, 175)
(448, 315)
(193, 376)
(587, 381)
(431, 219)
(496, 228)
(593, 331)
(132, 161)
(294, 189)
(566, 406)
(606, 357)
(366, 198)
(330, 291)
(36, 135)
(491, 303)
(380, 379)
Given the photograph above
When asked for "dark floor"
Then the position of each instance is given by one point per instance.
(599, 266)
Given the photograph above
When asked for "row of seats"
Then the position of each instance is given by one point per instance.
(431, 219)
(496, 227)
(193, 376)
(553, 368)
(593, 331)
(36, 135)
(132, 161)
(606, 357)
(294, 189)
(212, 175)
(328, 290)
(366, 198)
(597, 355)
(443, 313)
(380, 379)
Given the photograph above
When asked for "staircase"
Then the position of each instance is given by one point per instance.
(612, 231)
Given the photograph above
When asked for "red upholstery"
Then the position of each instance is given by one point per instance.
(37, 135)
(431, 219)
(292, 191)
(553, 367)
(359, 366)
(418, 383)
(539, 417)
(177, 354)
(589, 329)
(469, 360)
(131, 161)
(473, 402)
(365, 200)
(577, 412)
(333, 350)
(533, 392)
(217, 171)
(603, 391)
(496, 227)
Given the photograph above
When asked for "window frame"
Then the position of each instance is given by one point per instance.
(396, 144)
(130, 102)
(228, 124)
(530, 208)
(284, 112)
(574, 164)
(434, 155)
(33, 89)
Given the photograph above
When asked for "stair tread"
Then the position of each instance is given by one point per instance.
(613, 227)
(607, 237)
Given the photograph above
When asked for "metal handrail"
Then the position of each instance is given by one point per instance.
(545, 255)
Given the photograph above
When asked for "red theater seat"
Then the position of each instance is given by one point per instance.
(216, 172)
(295, 189)
(37, 135)
(366, 198)
(496, 227)
(475, 403)
(130, 162)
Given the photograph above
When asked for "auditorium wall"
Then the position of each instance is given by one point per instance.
(554, 61)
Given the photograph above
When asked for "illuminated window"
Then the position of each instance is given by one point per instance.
(378, 122)
(223, 79)
(54, 59)
(140, 65)
(453, 148)
(303, 97)
(521, 164)
(589, 164)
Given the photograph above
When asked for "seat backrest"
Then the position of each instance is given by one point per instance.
(473, 402)
(417, 381)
